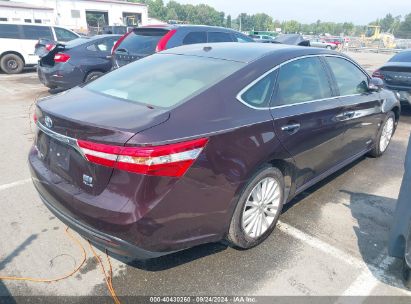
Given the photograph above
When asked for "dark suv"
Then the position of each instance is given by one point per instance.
(144, 41)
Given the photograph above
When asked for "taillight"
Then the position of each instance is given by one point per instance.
(166, 160)
(50, 46)
(61, 57)
(35, 117)
(116, 45)
(378, 74)
(162, 44)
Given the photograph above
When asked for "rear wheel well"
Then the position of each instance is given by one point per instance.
(92, 71)
(287, 171)
(14, 53)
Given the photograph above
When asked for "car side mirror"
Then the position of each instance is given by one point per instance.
(375, 84)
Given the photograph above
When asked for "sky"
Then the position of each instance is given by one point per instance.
(307, 11)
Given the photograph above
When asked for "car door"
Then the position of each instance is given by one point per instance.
(305, 113)
(362, 107)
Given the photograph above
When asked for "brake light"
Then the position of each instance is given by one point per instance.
(50, 46)
(117, 44)
(162, 44)
(378, 74)
(35, 117)
(167, 160)
(61, 57)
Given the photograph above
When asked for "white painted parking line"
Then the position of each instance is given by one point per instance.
(14, 184)
(370, 275)
(320, 245)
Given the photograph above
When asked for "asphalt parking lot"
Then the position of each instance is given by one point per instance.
(331, 240)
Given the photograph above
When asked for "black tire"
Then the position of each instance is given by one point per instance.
(329, 47)
(12, 64)
(92, 76)
(406, 274)
(376, 151)
(237, 237)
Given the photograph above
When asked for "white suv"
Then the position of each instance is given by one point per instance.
(17, 42)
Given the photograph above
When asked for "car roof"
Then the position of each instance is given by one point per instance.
(186, 26)
(241, 52)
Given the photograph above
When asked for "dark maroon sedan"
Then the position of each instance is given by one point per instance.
(203, 143)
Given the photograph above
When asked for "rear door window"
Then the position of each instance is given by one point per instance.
(9, 31)
(105, 45)
(64, 35)
(219, 37)
(349, 78)
(34, 32)
(302, 80)
(195, 37)
(142, 41)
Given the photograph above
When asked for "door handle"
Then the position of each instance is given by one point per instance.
(291, 128)
(108, 57)
(349, 114)
(345, 115)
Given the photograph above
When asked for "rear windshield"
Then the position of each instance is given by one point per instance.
(164, 80)
(76, 42)
(142, 41)
(401, 57)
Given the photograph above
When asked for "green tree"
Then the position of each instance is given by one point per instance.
(404, 30)
(228, 22)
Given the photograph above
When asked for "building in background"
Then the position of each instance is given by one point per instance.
(79, 15)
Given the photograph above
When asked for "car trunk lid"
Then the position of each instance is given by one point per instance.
(397, 73)
(80, 114)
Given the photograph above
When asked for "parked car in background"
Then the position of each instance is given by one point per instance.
(204, 142)
(396, 74)
(336, 40)
(17, 42)
(147, 40)
(292, 39)
(78, 61)
(321, 43)
(116, 29)
(262, 38)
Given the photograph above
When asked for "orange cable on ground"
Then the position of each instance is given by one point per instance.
(77, 242)
(108, 277)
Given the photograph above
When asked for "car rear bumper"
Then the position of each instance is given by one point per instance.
(64, 76)
(100, 239)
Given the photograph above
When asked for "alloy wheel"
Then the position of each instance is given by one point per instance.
(261, 208)
(386, 134)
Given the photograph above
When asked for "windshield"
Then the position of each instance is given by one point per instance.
(76, 42)
(164, 80)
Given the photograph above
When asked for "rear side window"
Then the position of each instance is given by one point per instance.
(401, 57)
(195, 37)
(164, 80)
(9, 31)
(142, 41)
(219, 37)
(302, 80)
(259, 94)
(36, 32)
(350, 79)
(64, 35)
